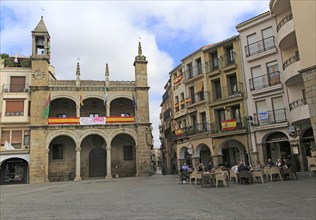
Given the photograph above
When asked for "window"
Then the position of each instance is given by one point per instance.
(182, 100)
(214, 58)
(199, 66)
(203, 120)
(278, 109)
(5, 136)
(192, 94)
(194, 121)
(16, 140)
(233, 84)
(257, 79)
(273, 73)
(268, 41)
(128, 152)
(217, 91)
(122, 114)
(236, 114)
(61, 115)
(176, 104)
(230, 55)
(252, 47)
(220, 115)
(14, 108)
(262, 113)
(26, 137)
(58, 151)
(199, 90)
(91, 115)
(17, 83)
(190, 70)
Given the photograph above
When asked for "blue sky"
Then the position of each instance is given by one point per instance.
(101, 32)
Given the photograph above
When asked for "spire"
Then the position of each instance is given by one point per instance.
(140, 56)
(107, 74)
(78, 75)
(41, 27)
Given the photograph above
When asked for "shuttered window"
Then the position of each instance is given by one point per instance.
(17, 83)
(14, 108)
(5, 136)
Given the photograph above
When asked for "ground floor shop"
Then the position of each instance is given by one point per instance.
(14, 170)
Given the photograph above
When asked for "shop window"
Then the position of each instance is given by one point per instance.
(128, 152)
(58, 151)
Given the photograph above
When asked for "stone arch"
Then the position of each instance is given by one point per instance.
(231, 152)
(65, 96)
(55, 134)
(182, 152)
(116, 132)
(197, 149)
(203, 153)
(94, 132)
(120, 96)
(14, 170)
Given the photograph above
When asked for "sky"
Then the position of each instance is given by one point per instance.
(100, 32)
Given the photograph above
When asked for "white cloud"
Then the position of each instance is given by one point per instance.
(101, 32)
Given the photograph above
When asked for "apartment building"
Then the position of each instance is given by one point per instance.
(72, 129)
(296, 34)
(267, 99)
(191, 140)
(226, 107)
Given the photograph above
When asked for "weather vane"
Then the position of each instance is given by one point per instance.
(43, 11)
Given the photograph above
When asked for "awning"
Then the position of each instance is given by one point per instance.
(198, 86)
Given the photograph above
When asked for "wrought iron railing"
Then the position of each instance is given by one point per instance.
(284, 21)
(195, 71)
(12, 88)
(260, 46)
(264, 81)
(229, 92)
(270, 117)
(297, 103)
(291, 60)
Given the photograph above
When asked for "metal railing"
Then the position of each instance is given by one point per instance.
(210, 67)
(216, 127)
(195, 71)
(260, 46)
(229, 92)
(297, 103)
(192, 130)
(284, 21)
(227, 59)
(15, 88)
(270, 117)
(264, 81)
(198, 97)
(291, 60)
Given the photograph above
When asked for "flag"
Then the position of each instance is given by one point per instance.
(47, 105)
(81, 98)
(134, 102)
(105, 95)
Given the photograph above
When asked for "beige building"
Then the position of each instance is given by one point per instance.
(226, 106)
(92, 128)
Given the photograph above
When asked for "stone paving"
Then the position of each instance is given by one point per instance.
(158, 197)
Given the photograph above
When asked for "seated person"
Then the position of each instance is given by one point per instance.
(242, 167)
(201, 168)
(209, 167)
(257, 166)
(184, 173)
(270, 163)
(235, 168)
(279, 163)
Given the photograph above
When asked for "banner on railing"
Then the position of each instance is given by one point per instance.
(262, 116)
(229, 125)
(92, 120)
(113, 119)
(178, 132)
(63, 120)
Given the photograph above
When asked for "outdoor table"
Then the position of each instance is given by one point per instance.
(208, 177)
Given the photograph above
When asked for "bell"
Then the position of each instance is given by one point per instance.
(40, 43)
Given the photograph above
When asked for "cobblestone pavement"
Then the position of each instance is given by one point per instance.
(158, 197)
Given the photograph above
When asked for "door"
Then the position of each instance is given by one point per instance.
(97, 162)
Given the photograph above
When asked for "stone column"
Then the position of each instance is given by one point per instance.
(47, 166)
(78, 175)
(108, 163)
(107, 110)
(78, 110)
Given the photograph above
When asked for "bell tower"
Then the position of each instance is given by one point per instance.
(40, 54)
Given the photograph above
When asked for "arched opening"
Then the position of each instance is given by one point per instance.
(93, 157)
(93, 107)
(277, 146)
(61, 159)
(123, 153)
(122, 107)
(97, 162)
(232, 152)
(307, 146)
(14, 171)
(62, 108)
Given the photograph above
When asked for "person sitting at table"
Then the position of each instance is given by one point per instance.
(279, 163)
(270, 163)
(243, 168)
(184, 173)
(201, 167)
(209, 166)
(257, 166)
(235, 167)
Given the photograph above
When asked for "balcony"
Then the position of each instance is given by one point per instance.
(192, 130)
(260, 47)
(270, 117)
(284, 21)
(228, 61)
(91, 120)
(9, 88)
(195, 73)
(197, 99)
(286, 34)
(264, 81)
(297, 103)
(229, 126)
(221, 94)
(290, 70)
(212, 67)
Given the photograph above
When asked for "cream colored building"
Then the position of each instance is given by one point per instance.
(93, 129)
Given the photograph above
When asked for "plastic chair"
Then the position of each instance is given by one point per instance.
(311, 165)
(233, 175)
(256, 174)
(221, 177)
(275, 171)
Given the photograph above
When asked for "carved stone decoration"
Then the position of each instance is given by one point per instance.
(38, 74)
